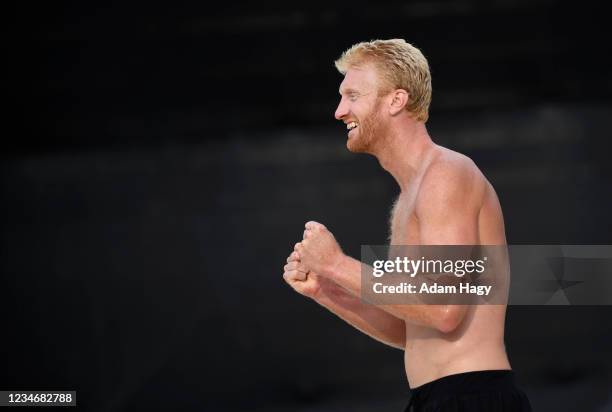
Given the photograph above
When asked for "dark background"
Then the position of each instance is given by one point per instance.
(159, 162)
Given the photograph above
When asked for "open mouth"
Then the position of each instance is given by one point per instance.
(352, 125)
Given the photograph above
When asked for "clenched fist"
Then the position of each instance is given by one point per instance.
(301, 279)
(319, 251)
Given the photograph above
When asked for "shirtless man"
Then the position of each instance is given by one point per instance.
(454, 354)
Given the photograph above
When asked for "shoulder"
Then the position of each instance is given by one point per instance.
(451, 180)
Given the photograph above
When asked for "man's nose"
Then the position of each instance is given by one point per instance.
(341, 111)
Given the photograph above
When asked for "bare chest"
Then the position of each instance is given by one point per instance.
(403, 222)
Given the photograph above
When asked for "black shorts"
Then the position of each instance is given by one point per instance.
(493, 390)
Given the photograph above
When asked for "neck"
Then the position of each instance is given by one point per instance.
(406, 145)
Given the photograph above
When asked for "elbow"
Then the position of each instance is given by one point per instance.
(450, 318)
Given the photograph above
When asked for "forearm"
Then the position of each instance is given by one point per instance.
(347, 274)
(367, 318)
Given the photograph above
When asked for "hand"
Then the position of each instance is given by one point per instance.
(319, 251)
(301, 279)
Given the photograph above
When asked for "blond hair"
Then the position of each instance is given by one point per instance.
(401, 66)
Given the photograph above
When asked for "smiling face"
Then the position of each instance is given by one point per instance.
(360, 109)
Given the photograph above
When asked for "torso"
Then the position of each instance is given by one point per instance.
(478, 342)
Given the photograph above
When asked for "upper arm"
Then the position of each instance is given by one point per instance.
(448, 204)
(447, 209)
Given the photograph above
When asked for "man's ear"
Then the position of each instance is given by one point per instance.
(399, 100)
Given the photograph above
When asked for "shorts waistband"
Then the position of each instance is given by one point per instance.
(462, 383)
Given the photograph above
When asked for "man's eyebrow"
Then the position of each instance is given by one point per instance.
(347, 91)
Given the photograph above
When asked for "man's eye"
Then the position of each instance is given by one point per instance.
(353, 97)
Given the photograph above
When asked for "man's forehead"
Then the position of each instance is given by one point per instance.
(358, 79)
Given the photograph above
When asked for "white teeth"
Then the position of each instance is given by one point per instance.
(351, 125)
